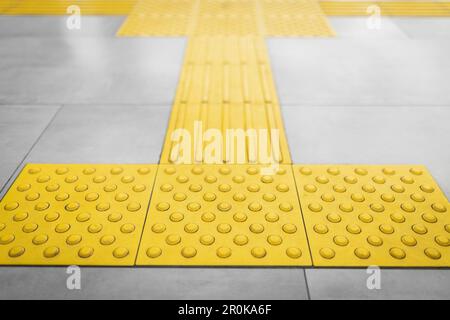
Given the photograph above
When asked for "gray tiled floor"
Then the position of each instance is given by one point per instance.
(339, 97)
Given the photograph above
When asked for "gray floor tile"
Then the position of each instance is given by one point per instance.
(154, 283)
(89, 70)
(372, 135)
(424, 27)
(363, 28)
(103, 134)
(20, 127)
(361, 72)
(395, 284)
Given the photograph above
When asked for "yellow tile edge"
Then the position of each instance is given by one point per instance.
(360, 215)
(82, 214)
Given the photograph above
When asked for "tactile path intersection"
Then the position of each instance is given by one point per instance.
(224, 215)
(75, 214)
(374, 215)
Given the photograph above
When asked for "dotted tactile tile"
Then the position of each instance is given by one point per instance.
(387, 8)
(391, 216)
(295, 18)
(160, 18)
(212, 215)
(75, 214)
(226, 83)
(59, 7)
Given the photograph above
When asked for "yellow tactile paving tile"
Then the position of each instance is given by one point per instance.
(218, 215)
(390, 216)
(295, 18)
(59, 7)
(75, 214)
(387, 8)
(226, 83)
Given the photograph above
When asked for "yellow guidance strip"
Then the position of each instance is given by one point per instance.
(358, 216)
(387, 8)
(226, 17)
(226, 109)
(75, 214)
(59, 7)
(221, 215)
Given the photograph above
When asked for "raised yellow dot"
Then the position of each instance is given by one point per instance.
(127, 179)
(170, 170)
(253, 188)
(339, 188)
(357, 197)
(351, 179)
(271, 217)
(107, 240)
(388, 171)
(427, 188)
(6, 238)
(71, 179)
(258, 252)
(89, 171)
(439, 207)
(207, 239)
(42, 206)
(340, 241)
(110, 188)
(224, 206)
(133, 206)
(327, 253)
(447, 228)
(334, 218)
(266, 179)
(197, 170)
(194, 206)
(121, 197)
(375, 241)
(85, 252)
(224, 228)
(95, 228)
(387, 229)
(238, 179)
(73, 206)
(346, 207)
(210, 179)
(225, 171)
(166, 187)
(274, 240)
(32, 196)
(55, 187)
(23, 187)
(115, 217)
(327, 197)
(293, 252)
(240, 240)
(320, 228)
(333, 171)
(397, 253)
(289, 228)
(398, 217)
(310, 188)
(176, 217)
(11, 206)
(120, 252)
(43, 179)
(162, 206)
(173, 239)
(417, 197)
(209, 196)
(34, 170)
(62, 228)
(239, 197)
(353, 229)
(432, 253)
(322, 179)
(73, 239)
(252, 171)
(379, 179)
(99, 179)
(315, 207)
(442, 241)
(143, 171)
(93, 196)
(139, 188)
(368, 188)
(116, 171)
(158, 228)
(188, 252)
(419, 229)
(102, 207)
(416, 171)
(387, 197)
(365, 217)
(430, 218)
(195, 187)
(223, 252)
(256, 228)
(191, 228)
(30, 227)
(409, 241)
(127, 228)
(377, 207)
(50, 217)
(51, 252)
(16, 252)
(208, 217)
(20, 216)
(224, 187)
(40, 239)
(361, 171)
(153, 252)
(255, 206)
(239, 217)
(305, 171)
(362, 253)
(62, 196)
(408, 207)
(407, 179)
(269, 197)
